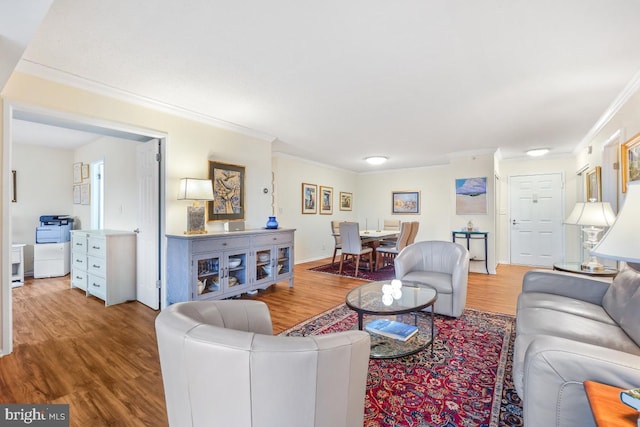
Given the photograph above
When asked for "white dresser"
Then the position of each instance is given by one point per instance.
(103, 264)
(50, 259)
(17, 264)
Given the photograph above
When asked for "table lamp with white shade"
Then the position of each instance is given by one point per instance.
(197, 190)
(622, 241)
(593, 217)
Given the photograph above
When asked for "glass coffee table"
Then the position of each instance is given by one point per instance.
(403, 301)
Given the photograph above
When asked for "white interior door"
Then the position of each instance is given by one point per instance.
(148, 243)
(536, 208)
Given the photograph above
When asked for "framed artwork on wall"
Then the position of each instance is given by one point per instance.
(228, 192)
(326, 200)
(594, 185)
(405, 202)
(76, 194)
(471, 196)
(85, 194)
(309, 198)
(85, 171)
(346, 201)
(77, 173)
(630, 161)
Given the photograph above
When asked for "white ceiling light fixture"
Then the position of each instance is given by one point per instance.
(537, 152)
(376, 160)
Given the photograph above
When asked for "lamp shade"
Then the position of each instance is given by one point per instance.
(622, 241)
(195, 189)
(597, 214)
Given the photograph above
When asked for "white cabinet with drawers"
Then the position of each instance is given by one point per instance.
(103, 264)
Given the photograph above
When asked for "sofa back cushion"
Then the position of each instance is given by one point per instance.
(622, 302)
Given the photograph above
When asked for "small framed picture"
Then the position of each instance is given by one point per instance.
(630, 161)
(77, 173)
(326, 200)
(405, 202)
(76, 194)
(85, 171)
(309, 198)
(594, 185)
(346, 201)
(85, 194)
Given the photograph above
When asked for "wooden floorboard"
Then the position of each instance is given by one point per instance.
(103, 361)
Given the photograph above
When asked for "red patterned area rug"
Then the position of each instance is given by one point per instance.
(467, 382)
(349, 269)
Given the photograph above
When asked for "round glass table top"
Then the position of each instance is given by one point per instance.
(390, 297)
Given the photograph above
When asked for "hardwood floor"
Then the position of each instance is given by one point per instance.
(103, 361)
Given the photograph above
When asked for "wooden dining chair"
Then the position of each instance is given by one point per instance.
(386, 254)
(415, 225)
(352, 246)
(391, 225)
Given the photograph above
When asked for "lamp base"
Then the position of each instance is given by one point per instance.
(195, 220)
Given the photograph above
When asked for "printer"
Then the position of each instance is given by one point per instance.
(54, 229)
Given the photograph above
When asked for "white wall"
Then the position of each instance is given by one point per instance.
(313, 238)
(44, 181)
(372, 201)
(120, 191)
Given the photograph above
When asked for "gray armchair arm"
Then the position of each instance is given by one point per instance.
(580, 287)
(555, 369)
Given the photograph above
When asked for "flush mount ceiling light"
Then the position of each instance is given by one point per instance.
(537, 152)
(376, 160)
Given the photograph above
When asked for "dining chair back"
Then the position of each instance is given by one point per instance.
(415, 225)
(386, 254)
(335, 232)
(352, 245)
(391, 225)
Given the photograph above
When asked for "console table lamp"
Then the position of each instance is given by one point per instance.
(593, 217)
(196, 190)
(621, 241)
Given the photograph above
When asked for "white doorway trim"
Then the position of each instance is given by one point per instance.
(9, 110)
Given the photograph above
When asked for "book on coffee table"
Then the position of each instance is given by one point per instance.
(392, 329)
(631, 397)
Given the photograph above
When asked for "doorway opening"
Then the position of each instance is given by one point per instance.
(17, 116)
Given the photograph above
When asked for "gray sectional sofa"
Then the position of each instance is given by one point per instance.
(572, 328)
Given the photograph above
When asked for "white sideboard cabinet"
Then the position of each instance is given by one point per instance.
(103, 264)
(222, 265)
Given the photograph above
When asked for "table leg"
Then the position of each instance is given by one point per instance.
(360, 315)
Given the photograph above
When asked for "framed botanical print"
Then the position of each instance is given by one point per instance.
(630, 157)
(346, 201)
(309, 198)
(326, 200)
(594, 185)
(228, 192)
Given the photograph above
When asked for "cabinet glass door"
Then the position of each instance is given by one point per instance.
(264, 264)
(284, 260)
(235, 273)
(208, 276)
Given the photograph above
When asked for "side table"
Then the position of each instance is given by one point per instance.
(607, 408)
(575, 267)
(473, 235)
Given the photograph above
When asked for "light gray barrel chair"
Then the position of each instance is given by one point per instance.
(441, 265)
(221, 366)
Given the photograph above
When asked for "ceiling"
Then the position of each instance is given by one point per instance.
(336, 81)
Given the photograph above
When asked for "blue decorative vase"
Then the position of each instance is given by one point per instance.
(272, 223)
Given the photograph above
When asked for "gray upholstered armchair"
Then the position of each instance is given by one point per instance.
(221, 366)
(441, 265)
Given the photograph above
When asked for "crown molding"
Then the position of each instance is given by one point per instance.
(629, 90)
(62, 77)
